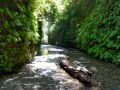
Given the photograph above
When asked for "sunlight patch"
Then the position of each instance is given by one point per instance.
(55, 49)
(48, 57)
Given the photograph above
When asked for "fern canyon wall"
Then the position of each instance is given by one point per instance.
(18, 33)
(21, 24)
(92, 26)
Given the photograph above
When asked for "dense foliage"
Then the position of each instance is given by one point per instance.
(92, 26)
(100, 32)
(69, 22)
(18, 32)
(21, 24)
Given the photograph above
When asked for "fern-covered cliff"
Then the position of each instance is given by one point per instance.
(92, 26)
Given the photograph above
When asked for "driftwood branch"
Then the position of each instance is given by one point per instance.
(80, 73)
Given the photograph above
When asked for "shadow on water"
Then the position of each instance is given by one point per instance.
(44, 73)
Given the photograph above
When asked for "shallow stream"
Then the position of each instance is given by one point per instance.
(44, 73)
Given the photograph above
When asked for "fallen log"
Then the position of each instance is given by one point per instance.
(80, 73)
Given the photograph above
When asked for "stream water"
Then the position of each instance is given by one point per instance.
(44, 73)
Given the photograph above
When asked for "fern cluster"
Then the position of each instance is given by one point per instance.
(99, 34)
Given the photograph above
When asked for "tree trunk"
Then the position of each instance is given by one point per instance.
(80, 73)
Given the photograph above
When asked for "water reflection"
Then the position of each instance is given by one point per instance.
(44, 52)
